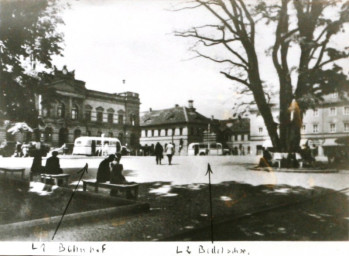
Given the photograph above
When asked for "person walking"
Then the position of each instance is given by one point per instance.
(159, 150)
(169, 152)
(103, 173)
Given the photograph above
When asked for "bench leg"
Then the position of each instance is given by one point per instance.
(84, 185)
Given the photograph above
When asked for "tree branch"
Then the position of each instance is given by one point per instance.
(236, 79)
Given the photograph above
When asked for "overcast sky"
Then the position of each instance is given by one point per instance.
(108, 41)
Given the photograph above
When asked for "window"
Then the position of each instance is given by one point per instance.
(99, 133)
(146, 133)
(110, 118)
(77, 133)
(159, 132)
(315, 128)
(110, 134)
(120, 119)
(45, 111)
(152, 133)
(180, 131)
(242, 137)
(133, 119)
(346, 127)
(346, 111)
(88, 115)
(61, 110)
(303, 128)
(260, 130)
(88, 133)
(316, 112)
(100, 117)
(74, 112)
(333, 111)
(332, 127)
(173, 131)
(166, 132)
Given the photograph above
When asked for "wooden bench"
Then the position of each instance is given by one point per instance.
(130, 189)
(48, 178)
(12, 171)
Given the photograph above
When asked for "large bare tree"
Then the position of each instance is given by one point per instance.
(300, 23)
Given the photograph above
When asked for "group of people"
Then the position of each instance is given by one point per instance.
(110, 170)
(160, 151)
(52, 164)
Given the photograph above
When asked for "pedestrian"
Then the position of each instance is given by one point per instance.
(159, 150)
(116, 176)
(180, 146)
(103, 173)
(37, 167)
(52, 164)
(169, 152)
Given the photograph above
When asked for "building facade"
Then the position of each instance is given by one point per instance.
(235, 135)
(69, 110)
(321, 126)
(179, 125)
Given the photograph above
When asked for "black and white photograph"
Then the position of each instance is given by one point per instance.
(192, 127)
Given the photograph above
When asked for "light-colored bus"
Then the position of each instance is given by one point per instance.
(201, 149)
(96, 146)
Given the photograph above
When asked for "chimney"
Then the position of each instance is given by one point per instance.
(212, 118)
(176, 106)
(150, 109)
(190, 103)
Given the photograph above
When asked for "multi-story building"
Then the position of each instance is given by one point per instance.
(179, 125)
(235, 134)
(69, 110)
(321, 126)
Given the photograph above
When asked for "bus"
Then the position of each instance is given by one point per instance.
(96, 146)
(202, 149)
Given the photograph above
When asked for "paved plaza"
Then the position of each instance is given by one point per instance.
(178, 196)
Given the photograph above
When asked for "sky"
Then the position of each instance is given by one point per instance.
(108, 41)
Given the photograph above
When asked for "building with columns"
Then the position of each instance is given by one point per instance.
(180, 125)
(69, 110)
(321, 126)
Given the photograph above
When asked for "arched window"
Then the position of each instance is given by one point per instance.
(77, 133)
(60, 110)
(48, 134)
(74, 112)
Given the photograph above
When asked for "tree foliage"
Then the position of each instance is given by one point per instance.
(308, 25)
(29, 37)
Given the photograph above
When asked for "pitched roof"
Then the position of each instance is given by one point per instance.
(171, 116)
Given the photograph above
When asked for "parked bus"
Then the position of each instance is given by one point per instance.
(202, 149)
(96, 146)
